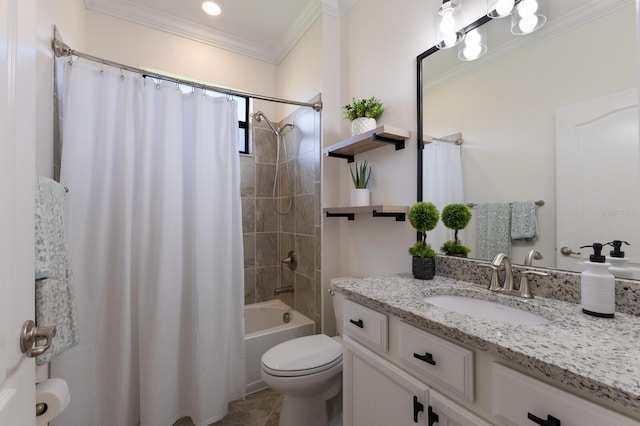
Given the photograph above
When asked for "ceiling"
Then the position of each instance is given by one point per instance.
(265, 30)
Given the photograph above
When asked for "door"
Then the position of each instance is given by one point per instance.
(17, 171)
(379, 393)
(598, 176)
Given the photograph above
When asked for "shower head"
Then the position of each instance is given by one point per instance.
(284, 126)
(257, 115)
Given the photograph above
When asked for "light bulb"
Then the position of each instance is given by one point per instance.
(448, 22)
(450, 39)
(211, 8)
(527, 8)
(473, 37)
(528, 24)
(504, 7)
(472, 51)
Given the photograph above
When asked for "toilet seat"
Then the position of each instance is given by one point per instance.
(302, 356)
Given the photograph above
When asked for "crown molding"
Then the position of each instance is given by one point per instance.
(331, 8)
(297, 30)
(152, 18)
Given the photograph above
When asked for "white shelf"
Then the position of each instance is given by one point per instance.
(398, 212)
(373, 139)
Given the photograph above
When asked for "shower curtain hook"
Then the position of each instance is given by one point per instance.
(121, 74)
(157, 82)
(193, 89)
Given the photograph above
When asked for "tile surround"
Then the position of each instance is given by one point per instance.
(268, 237)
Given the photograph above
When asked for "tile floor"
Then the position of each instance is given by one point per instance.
(258, 409)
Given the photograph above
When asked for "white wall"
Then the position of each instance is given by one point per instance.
(507, 118)
(299, 74)
(379, 44)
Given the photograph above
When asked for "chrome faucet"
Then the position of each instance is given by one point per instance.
(290, 261)
(499, 260)
(532, 255)
(523, 289)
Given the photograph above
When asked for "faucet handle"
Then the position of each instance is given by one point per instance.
(495, 280)
(525, 291)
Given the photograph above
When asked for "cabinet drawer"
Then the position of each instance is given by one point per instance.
(366, 325)
(516, 397)
(437, 360)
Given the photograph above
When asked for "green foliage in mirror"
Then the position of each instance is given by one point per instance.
(455, 216)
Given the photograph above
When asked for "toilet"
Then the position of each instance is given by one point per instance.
(307, 371)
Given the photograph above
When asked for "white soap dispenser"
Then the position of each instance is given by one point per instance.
(619, 264)
(597, 285)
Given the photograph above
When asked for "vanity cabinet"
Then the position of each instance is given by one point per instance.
(394, 386)
(518, 399)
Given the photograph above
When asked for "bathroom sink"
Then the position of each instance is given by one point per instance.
(486, 310)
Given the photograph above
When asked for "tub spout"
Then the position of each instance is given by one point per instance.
(280, 290)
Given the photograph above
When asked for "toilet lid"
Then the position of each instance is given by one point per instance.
(301, 356)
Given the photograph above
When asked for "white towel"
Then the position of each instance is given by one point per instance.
(494, 230)
(55, 295)
(524, 223)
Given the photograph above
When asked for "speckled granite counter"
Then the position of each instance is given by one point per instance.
(596, 355)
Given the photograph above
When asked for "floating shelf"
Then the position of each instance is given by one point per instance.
(398, 212)
(376, 138)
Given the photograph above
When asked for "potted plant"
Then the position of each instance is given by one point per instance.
(360, 177)
(456, 217)
(423, 216)
(363, 114)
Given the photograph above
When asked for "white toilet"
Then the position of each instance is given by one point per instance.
(308, 372)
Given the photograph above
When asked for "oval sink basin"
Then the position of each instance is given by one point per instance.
(486, 310)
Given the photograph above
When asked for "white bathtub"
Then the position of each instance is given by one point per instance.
(264, 327)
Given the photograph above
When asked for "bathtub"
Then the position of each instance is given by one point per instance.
(264, 327)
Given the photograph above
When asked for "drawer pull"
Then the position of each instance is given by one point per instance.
(358, 323)
(417, 408)
(427, 357)
(551, 421)
(433, 417)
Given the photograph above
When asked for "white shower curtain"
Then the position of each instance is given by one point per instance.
(155, 239)
(442, 184)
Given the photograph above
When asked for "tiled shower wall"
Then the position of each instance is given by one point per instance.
(268, 236)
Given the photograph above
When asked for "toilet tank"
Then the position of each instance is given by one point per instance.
(338, 303)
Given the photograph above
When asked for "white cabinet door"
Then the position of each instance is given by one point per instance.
(377, 393)
(447, 413)
(17, 171)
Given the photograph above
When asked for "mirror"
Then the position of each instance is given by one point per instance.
(508, 106)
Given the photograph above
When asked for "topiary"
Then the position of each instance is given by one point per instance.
(423, 216)
(455, 216)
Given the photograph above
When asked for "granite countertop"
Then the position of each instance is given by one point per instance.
(598, 355)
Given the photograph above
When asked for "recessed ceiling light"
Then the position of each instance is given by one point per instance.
(213, 8)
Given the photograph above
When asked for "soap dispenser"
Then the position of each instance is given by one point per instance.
(597, 285)
(619, 264)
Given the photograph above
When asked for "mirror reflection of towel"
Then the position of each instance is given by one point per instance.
(524, 223)
(494, 230)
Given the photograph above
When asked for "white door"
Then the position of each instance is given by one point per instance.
(377, 392)
(17, 171)
(598, 176)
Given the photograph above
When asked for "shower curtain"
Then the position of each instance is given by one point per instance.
(155, 239)
(442, 184)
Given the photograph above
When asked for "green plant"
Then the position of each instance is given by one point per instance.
(455, 216)
(361, 175)
(423, 216)
(451, 247)
(370, 108)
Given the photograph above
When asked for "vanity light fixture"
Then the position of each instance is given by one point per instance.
(528, 17)
(213, 8)
(500, 8)
(446, 26)
(473, 47)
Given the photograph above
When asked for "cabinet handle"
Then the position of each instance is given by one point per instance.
(358, 323)
(417, 408)
(432, 417)
(427, 357)
(551, 421)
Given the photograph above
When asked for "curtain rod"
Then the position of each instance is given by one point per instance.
(538, 203)
(61, 49)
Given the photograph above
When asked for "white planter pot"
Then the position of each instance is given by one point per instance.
(362, 125)
(359, 197)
